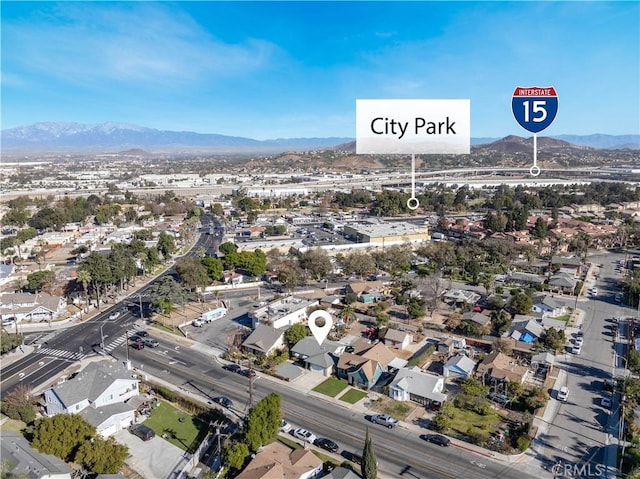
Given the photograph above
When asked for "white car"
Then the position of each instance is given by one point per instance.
(576, 349)
(197, 323)
(114, 315)
(579, 341)
(304, 435)
(594, 291)
(285, 426)
(606, 402)
(563, 394)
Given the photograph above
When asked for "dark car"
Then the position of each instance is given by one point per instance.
(138, 345)
(143, 432)
(327, 444)
(608, 385)
(135, 339)
(234, 368)
(223, 401)
(250, 373)
(438, 439)
(142, 334)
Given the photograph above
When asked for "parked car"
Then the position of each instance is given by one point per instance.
(304, 435)
(438, 439)
(384, 420)
(234, 368)
(618, 298)
(327, 444)
(605, 402)
(563, 394)
(197, 323)
(579, 341)
(114, 315)
(223, 401)
(150, 342)
(143, 432)
(285, 426)
(576, 349)
(608, 385)
(594, 291)
(250, 373)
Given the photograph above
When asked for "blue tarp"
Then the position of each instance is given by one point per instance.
(527, 338)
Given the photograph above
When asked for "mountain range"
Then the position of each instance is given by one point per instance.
(57, 137)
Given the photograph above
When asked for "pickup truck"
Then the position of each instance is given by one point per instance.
(384, 420)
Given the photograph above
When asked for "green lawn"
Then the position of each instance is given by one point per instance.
(352, 396)
(331, 387)
(12, 425)
(165, 419)
(466, 422)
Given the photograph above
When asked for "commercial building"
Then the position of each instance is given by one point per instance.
(386, 233)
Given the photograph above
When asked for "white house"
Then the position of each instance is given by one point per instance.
(283, 312)
(459, 366)
(549, 307)
(98, 393)
(31, 307)
(415, 385)
(397, 339)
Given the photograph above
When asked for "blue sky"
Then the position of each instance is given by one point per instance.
(295, 69)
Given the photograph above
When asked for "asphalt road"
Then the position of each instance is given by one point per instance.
(397, 449)
(583, 431)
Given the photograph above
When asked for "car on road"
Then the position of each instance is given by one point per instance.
(250, 373)
(223, 401)
(137, 345)
(143, 432)
(142, 334)
(384, 420)
(593, 291)
(150, 342)
(438, 439)
(617, 298)
(285, 426)
(304, 435)
(608, 385)
(563, 394)
(326, 444)
(114, 315)
(234, 368)
(605, 402)
(135, 339)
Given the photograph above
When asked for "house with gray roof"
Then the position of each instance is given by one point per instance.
(562, 283)
(413, 384)
(318, 358)
(264, 340)
(475, 317)
(24, 461)
(98, 393)
(394, 338)
(527, 330)
(31, 307)
(548, 306)
(459, 366)
(526, 278)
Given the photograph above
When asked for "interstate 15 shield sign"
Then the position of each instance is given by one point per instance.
(534, 107)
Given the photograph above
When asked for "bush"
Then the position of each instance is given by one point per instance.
(166, 393)
(523, 442)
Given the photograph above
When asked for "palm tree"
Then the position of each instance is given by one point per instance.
(348, 313)
(85, 278)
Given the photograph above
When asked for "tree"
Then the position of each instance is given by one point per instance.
(98, 267)
(296, 332)
(634, 361)
(317, 262)
(539, 229)
(62, 435)
(192, 273)
(431, 288)
(263, 422)
(41, 280)
(166, 293)
(503, 346)
(500, 321)
(9, 342)
(359, 264)
(84, 277)
(521, 303)
(444, 418)
(227, 248)
(214, 268)
(20, 404)
(369, 466)
(553, 339)
(102, 456)
(416, 308)
(234, 455)
(166, 245)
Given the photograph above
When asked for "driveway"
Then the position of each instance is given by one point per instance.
(153, 459)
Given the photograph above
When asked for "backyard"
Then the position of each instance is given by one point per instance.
(177, 427)
(331, 387)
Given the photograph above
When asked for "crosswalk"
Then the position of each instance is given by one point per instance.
(115, 343)
(61, 354)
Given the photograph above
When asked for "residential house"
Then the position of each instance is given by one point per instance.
(460, 296)
(358, 371)
(526, 330)
(367, 291)
(98, 393)
(319, 358)
(31, 307)
(264, 340)
(445, 346)
(526, 278)
(480, 319)
(384, 356)
(277, 461)
(561, 283)
(573, 263)
(413, 384)
(548, 306)
(341, 473)
(283, 312)
(498, 367)
(232, 277)
(459, 366)
(21, 460)
(394, 338)
(6, 273)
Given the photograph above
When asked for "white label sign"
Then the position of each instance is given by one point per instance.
(413, 126)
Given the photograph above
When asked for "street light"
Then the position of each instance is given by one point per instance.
(102, 337)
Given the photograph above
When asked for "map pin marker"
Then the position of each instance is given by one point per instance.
(320, 332)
